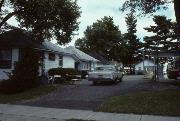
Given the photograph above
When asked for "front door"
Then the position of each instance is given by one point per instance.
(76, 65)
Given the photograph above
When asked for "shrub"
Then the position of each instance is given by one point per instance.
(25, 74)
(63, 71)
(67, 73)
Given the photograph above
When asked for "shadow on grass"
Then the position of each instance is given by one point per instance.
(30, 94)
(151, 103)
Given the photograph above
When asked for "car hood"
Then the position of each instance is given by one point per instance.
(101, 72)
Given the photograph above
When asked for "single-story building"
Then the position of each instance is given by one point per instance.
(52, 56)
(57, 57)
(84, 62)
(144, 66)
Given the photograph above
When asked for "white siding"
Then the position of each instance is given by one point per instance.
(15, 58)
(49, 64)
(148, 67)
(68, 62)
(146, 63)
(85, 66)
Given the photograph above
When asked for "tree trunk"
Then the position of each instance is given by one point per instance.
(177, 13)
(130, 68)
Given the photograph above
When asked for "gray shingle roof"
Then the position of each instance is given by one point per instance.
(52, 47)
(79, 54)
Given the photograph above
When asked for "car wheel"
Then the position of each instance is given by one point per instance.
(115, 81)
(120, 79)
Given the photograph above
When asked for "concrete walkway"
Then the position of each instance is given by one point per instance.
(27, 113)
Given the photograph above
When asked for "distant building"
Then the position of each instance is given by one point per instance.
(144, 66)
(85, 62)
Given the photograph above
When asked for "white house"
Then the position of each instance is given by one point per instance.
(69, 57)
(56, 57)
(11, 48)
(144, 66)
(83, 62)
(53, 56)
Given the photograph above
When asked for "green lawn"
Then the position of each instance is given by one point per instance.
(31, 94)
(151, 103)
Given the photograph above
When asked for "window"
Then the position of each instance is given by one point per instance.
(5, 58)
(52, 56)
(85, 66)
(61, 61)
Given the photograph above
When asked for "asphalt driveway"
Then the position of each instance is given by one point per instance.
(87, 96)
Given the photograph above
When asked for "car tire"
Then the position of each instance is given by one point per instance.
(115, 81)
(120, 79)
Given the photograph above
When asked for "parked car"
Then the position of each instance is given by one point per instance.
(105, 73)
(173, 69)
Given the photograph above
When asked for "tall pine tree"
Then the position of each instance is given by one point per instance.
(133, 43)
(162, 30)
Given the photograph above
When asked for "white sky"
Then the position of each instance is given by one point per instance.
(93, 10)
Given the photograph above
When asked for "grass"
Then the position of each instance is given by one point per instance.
(30, 94)
(151, 103)
(78, 120)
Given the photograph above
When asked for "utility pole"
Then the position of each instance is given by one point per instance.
(143, 63)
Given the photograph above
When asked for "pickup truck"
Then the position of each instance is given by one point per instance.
(105, 73)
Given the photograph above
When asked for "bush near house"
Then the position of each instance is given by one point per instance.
(66, 73)
(63, 71)
(25, 74)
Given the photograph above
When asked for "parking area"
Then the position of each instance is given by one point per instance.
(88, 97)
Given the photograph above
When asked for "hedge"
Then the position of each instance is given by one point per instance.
(63, 72)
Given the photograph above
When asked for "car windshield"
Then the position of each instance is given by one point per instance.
(104, 68)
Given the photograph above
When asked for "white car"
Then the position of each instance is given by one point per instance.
(105, 73)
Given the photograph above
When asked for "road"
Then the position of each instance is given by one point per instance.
(88, 97)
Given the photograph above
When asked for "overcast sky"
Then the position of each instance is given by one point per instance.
(93, 10)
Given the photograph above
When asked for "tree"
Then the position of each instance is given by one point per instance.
(45, 18)
(162, 30)
(104, 38)
(151, 6)
(133, 43)
(82, 44)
